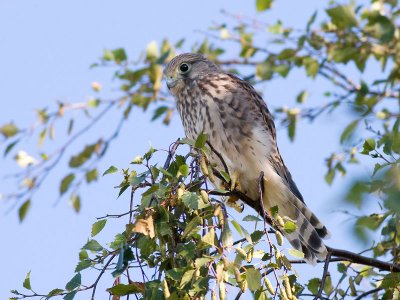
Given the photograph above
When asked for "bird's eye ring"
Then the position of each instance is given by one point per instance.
(184, 68)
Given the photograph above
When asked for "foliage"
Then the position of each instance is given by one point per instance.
(179, 235)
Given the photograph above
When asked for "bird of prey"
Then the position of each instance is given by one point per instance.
(241, 129)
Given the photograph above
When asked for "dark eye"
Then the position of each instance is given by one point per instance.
(184, 68)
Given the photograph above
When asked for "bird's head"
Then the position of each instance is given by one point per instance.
(187, 66)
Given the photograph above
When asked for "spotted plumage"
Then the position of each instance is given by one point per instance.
(240, 128)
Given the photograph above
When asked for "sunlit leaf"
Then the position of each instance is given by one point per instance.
(110, 170)
(27, 281)
(9, 130)
(98, 226)
(263, 4)
(66, 183)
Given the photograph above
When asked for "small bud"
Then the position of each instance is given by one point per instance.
(249, 256)
(243, 286)
(204, 196)
(222, 292)
(213, 295)
(237, 275)
(203, 166)
(288, 288)
(280, 221)
(279, 238)
(217, 210)
(96, 86)
(269, 286)
(221, 218)
(226, 263)
(165, 289)
(283, 295)
(211, 174)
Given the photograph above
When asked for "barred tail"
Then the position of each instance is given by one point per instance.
(310, 231)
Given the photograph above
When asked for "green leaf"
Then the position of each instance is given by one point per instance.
(256, 235)
(93, 245)
(70, 295)
(91, 175)
(262, 5)
(372, 222)
(66, 183)
(209, 238)
(356, 193)
(368, 146)
(289, 227)
(311, 65)
(251, 218)
(119, 55)
(84, 264)
(282, 69)
(301, 98)
(292, 127)
(9, 130)
(328, 288)
(82, 157)
(27, 281)
(110, 170)
(83, 254)
(9, 147)
(191, 226)
(253, 278)
(264, 71)
(313, 285)
(343, 16)
(193, 201)
(98, 226)
(381, 28)
(159, 112)
(237, 227)
(226, 236)
(201, 140)
(186, 278)
(311, 21)
(42, 136)
(296, 253)
(125, 289)
(74, 282)
(330, 176)
(175, 273)
(225, 176)
(75, 201)
(391, 280)
(54, 292)
(184, 170)
(348, 131)
(23, 210)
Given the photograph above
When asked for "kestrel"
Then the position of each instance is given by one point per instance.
(241, 129)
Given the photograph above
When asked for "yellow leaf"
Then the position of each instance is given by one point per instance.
(145, 226)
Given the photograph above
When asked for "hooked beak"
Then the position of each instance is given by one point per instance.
(171, 82)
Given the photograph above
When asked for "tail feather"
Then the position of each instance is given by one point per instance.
(310, 231)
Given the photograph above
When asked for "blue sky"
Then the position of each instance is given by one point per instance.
(46, 48)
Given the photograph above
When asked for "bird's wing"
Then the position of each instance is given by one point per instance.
(276, 159)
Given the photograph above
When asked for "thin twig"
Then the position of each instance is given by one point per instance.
(324, 275)
(368, 293)
(94, 285)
